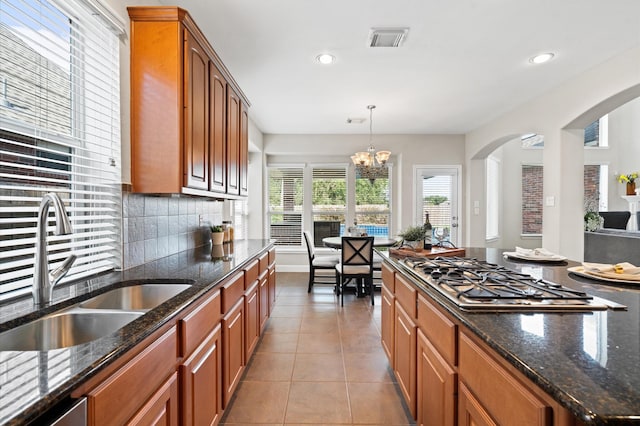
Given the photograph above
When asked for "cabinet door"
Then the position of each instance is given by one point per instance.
(436, 387)
(263, 292)
(387, 323)
(405, 356)
(233, 361)
(217, 130)
(233, 142)
(470, 411)
(252, 319)
(196, 110)
(162, 408)
(272, 288)
(244, 150)
(201, 380)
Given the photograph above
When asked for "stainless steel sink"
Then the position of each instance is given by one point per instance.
(140, 297)
(67, 328)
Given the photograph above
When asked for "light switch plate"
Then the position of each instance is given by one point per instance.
(550, 201)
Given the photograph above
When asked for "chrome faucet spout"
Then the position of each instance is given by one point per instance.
(43, 280)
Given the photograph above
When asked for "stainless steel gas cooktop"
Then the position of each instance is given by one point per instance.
(477, 285)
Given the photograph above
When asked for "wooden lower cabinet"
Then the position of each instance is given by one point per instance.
(387, 312)
(252, 319)
(470, 411)
(233, 342)
(162, 407)
(201, 383)
(505, 397)
(263, 293)
(272, 286)
(135, 388)
(436, 386)
(405, 356)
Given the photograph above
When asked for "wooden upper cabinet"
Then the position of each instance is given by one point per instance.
(196, 109)
(189, 123)
(244, 150)
(217, 130)
(233, 143)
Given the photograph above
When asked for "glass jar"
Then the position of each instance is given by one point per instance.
(226, 226)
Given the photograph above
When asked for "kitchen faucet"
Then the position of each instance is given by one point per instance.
(43, 280)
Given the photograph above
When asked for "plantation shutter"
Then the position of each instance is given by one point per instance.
(59, 132)
(285, 205)
(329, 201)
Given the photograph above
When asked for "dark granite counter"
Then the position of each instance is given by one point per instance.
(589, 362)
(32, 382)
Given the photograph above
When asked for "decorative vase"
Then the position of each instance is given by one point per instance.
(631, 188)
(217, 238)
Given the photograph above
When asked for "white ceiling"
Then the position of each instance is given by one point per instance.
(463, 63)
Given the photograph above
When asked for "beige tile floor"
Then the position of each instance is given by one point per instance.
(318, 363)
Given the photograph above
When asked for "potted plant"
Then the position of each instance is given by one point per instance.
(413, 236)
(592, 220)
(217, 234)
(630, 180)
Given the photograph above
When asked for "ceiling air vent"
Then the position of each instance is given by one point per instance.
(387, 37)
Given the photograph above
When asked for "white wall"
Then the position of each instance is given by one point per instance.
(572, 105)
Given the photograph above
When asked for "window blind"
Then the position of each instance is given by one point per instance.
(285, 205)
(59, 132)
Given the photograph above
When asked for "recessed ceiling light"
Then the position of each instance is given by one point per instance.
(325, 58)
(541, 58)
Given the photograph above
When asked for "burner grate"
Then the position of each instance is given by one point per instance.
(472, 283)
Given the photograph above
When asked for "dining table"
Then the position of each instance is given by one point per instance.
(336, 242)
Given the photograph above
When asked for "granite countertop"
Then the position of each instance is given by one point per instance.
(589, 362)
(33, 382)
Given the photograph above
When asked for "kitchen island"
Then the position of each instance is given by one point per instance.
(559, 368)
(36, 385)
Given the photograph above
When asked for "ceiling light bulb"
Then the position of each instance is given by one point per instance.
(325, 59)
(542, 58)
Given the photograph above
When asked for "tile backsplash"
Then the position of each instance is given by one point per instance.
(157, 226)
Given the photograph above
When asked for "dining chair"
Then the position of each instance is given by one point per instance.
(616, 219)
(356, 262)
(322, 262)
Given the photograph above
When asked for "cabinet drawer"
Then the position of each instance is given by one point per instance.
(406, 295)
(198, 323)
(264, 262)
(251, 272)
(388, 277)
(441, 331)
(503, 396)
(232, 290)
(120, 396)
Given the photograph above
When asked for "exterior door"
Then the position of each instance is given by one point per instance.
(437, 193)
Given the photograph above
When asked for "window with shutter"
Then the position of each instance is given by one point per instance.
(285, 205)
(329, 202)
(373, 205)
(59, 132)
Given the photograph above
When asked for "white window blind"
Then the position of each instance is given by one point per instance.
(373, 205)
(285, 205)
(329, 202)
(59, 132)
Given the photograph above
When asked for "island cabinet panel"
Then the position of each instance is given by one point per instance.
(470, 411)
(196, 110)
(498, 392)
(436, 386)
(441, 332)
(405, 352)
(188, 115)
(233, 350)
(118, 398)
(387, 329)
(217, 130)
(162, 407)
(201, 379)
(388, 277)
(407, 295)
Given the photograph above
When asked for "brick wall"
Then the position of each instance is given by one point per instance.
(532, 199)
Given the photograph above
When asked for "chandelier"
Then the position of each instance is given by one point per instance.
(370, 164)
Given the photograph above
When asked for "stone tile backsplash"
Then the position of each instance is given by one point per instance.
(157, 226)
